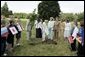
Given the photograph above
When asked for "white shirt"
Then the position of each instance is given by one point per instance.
(45, 28)
(51, 24)
(68, 26)
(75, 31)
(39, 25)
(19, 27)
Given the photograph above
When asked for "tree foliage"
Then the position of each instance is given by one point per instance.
(33, 16)
(80, 16)
(5, 10)
(20, 15)
(47, 9)
(71, 16)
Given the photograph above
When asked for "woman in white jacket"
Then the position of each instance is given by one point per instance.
(38, 25)
(45, 30)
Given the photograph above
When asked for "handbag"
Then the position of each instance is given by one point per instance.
(70, 39)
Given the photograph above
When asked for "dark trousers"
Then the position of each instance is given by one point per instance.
(10, 40)
(18, 35)
(80, 50)
(3, 46)
(38, 33)
(73, 46)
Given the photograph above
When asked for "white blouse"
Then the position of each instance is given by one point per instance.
(68, 26)
(45, 28)
(75, 31)
(51, 24)
(39, 25)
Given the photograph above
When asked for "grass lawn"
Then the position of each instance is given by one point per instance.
(39, 49)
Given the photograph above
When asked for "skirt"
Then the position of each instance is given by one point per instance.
(38, 33)
(67, 33)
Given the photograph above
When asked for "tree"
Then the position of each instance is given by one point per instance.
(80, 16)
(20, 15)
(70, 16)
(47, 9)
(32, 17)
(4, 10)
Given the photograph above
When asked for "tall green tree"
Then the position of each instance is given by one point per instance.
(5, 10)
(80, 16)
(70, 16)
(47, 9)
(20, 15)
(33, 16)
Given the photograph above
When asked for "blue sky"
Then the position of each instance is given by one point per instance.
(29, 6)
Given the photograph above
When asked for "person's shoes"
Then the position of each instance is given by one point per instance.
(4, 54)
(18, 44)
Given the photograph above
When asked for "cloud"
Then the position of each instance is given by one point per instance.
(29, 6)
(71, 6)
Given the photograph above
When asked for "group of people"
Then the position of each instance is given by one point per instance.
(55, 29)
(52, 30)
(44, 29)
(73, 34)
(7, 39)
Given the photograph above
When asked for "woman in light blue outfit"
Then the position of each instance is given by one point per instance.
(50, 28)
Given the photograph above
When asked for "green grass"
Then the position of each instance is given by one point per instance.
(39, 49)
